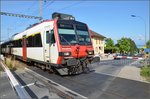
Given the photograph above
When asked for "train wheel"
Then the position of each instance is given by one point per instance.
(73, 70)
(85, 69)
(43, 67)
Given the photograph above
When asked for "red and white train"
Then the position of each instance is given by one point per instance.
(62, 44)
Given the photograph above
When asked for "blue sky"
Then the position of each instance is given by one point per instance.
(109, 18)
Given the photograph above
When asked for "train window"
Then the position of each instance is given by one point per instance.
(82, 34)
(30, 41)
(52, 37)
(37, 40)
(65, 26)
(81, 27)
(48, 37)
(15, 43)
(19, 43)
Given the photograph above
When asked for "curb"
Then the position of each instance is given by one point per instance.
(21, 92)
(127, 57)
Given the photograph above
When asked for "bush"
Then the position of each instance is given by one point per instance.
(9, 63)
(145, 71)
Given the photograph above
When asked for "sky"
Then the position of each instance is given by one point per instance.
(110, 18)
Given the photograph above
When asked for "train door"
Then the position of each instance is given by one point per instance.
(24, 48)
(47, 46)
(53, 48)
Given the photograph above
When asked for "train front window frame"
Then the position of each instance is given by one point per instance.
(73, 33)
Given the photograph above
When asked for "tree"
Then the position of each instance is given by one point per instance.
(133, 47)
(126, 45)
(148, 44)
(110, 47)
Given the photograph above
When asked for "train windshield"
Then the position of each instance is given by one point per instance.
(73, 34)
(83, 35)
(67, 34)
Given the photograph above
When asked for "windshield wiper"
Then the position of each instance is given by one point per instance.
(65, 40)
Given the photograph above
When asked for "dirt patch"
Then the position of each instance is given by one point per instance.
(19, 65)
(14, 64)
(131, 72)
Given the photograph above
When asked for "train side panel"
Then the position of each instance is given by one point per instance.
(17, 51)
(35, 53)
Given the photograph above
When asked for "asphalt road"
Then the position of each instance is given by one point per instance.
(102, 82)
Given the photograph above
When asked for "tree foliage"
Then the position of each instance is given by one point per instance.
(109, 43)
(148, 44)
(109, 46)
(126, 45)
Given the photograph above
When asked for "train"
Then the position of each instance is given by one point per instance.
(61, 44)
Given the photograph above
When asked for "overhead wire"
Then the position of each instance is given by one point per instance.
(48, 4)
(27, 10)
(74, 4)
(69, 6)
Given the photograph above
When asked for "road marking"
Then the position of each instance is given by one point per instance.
(60, 86)
(28, 85)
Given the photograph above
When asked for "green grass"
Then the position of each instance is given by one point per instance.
(145, 72)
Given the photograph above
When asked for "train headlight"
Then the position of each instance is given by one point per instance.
(65, 54)
(90, 52)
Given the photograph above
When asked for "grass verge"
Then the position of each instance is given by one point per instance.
(9, 63)
(145, 72)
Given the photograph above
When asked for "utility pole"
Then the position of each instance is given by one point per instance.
(40, 9)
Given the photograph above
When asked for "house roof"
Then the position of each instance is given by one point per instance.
(94, 34)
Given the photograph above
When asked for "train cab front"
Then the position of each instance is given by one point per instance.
(76, 50)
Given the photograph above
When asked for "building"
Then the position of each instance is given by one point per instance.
(98, 42)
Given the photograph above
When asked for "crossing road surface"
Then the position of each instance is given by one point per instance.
(102, 82)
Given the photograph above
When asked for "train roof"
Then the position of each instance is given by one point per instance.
(29, 28)
(4, 42)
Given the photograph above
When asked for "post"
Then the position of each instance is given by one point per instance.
(145, 32)
(40, 9)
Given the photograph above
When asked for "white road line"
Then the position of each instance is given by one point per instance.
(28, 85)
(61, 87)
